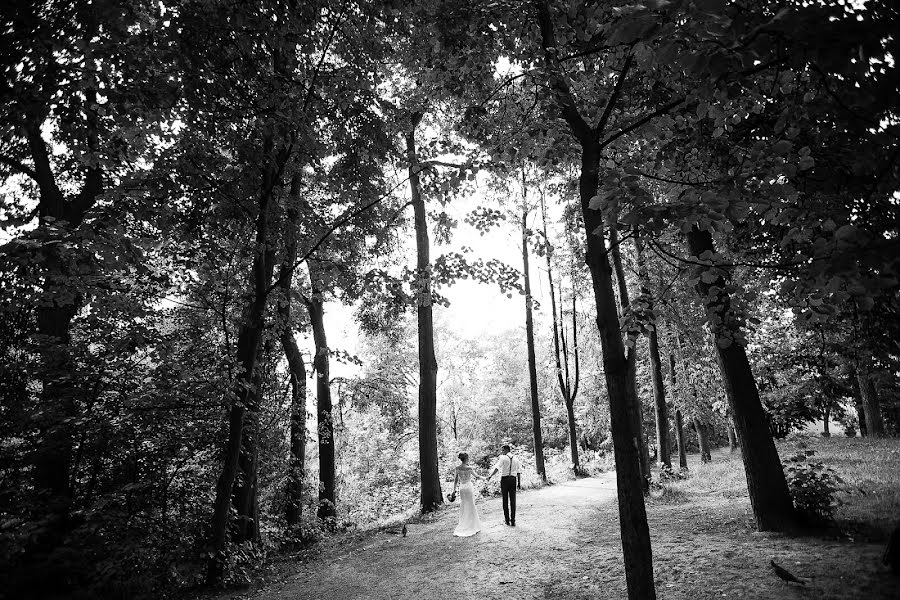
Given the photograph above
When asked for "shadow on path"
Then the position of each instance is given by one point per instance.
(499, 562)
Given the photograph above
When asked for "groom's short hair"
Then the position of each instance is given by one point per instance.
(506, 448)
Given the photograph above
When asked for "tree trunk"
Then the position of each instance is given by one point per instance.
(858, 403)
(245, 491)
(766, 484)
(703, 440)
(532, 361)
(659, 391)
(626, 435)
(870, 401)
(321, 366)
(431, 496)
(248, 346)
(561, 355)
(635, 407)
(732, 439)
(296, 366)
(679, 425)
(636, 550)
(826, 417)
(679, 440)
(57, 412)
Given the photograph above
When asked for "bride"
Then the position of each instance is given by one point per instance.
(469, 523)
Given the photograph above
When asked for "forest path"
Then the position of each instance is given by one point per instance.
(429, 563)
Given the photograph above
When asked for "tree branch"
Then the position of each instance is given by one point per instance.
(643, 121)
(558, 82)
(18, 166)
(613, 98)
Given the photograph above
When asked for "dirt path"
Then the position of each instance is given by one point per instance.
(499, 562)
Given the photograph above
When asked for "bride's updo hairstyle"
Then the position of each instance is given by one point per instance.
(463, 456)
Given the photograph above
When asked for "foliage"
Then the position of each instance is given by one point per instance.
(814, 488)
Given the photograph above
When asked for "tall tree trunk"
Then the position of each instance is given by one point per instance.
(870, 401)
(627, 444)
(679, 425)
(679, 440)
(58, 412)
(826, 417)
(295, 363)
(703, 440)
(248, 346)
(635, 407)
(766, 484)
(732, 438)
(532, 361)
(561, 355)
(858, 402)
(324, 408)
(661, 411)
(630, 480)
(431, 496)
(246, 485)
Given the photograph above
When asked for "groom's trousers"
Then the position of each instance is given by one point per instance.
(508, 490)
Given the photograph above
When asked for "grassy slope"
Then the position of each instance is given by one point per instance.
(705, 545)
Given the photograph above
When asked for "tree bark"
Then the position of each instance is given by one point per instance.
(561, 355)
(858, 402)
(627, 445)
(248, 346)
(324, 407)
(870, 401)
(245, 491)
(296, 366)
(679, 425)
(732, 438)
(431, 496)
(635, 407)
(636, 549)
(766, 484)
(532, 361)
(661, 411)
(58, 411)
(703, 440)
(679, 439)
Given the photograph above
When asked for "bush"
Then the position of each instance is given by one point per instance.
(813, 487)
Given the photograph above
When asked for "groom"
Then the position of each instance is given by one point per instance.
(510, 478)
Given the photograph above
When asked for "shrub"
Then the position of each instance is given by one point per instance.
(813, 487)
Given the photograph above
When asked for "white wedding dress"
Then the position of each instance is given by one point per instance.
(469, 522)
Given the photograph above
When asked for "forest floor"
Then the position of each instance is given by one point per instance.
(566, 544)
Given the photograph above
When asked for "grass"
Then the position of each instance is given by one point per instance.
(870, 468)
(705, 544)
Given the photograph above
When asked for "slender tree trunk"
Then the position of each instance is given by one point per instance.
(703, 440)
(769, 496)
(532, 361)
(324, 407)
(246, 485)
(870, 401)
(431, 496)
(732, 438)
(626, 435)
(635, 407)
(636, 550)
(295, 363)
(58, 412)
(679, 440)
(561, 355)
(659, 391)
(679, 425)
(826, 417)
(248, 345)
(858, 402)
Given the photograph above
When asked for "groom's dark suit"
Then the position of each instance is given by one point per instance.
(510, 471)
